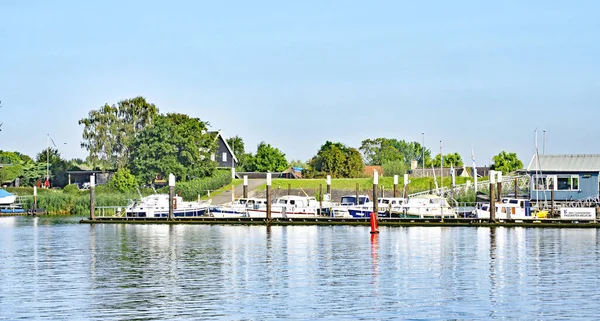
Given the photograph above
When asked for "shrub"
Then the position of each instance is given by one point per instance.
(191, 189)
(123, 181)
(71, 189)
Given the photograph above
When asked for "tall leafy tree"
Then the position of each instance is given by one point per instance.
(453, 159)
(109, 131)
(382, 150)
(354, 163)
(337, 160)
(237, 145)
(506, 162)
(174, 143)
(268, 159)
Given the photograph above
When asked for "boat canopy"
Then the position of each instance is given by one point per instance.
(4, 193)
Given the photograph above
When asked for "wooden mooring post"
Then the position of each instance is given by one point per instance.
(35, 199)
(406, 181)
(357, 200)
(171, 196)
(245, 186)
(328, 181)
(395, 185)
(516, 187)
(289, 189)
(92, 197)
(492, 197)
(268, 198)
(320, 199)
(499, 185)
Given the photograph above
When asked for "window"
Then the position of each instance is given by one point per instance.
(551, 182)
(564, 183)
(540, 183)
(212, 157)
(575, 182)
(224, 157)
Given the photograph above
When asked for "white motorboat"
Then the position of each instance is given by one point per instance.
(385, 207)
(428, 206)
(237, 208)
(289, 206)
(7, 198)
(348, 201)
(507, 208)
(157, 205)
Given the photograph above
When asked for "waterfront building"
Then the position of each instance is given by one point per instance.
(571, 177)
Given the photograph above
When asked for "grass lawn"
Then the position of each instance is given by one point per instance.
(415, 185)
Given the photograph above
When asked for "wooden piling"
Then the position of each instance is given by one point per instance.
(289, 189)
(357, 200)
(35, 200)
(171, 196)
(320, 199)
(268, 198)
(551, 212)
(92, 197)
(492, 204)
(396, 185)
(516, 187)
(329, 185)
(499, 191)
(245, 186)
(430, 187)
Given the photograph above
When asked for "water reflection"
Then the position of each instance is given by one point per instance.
(152, 272)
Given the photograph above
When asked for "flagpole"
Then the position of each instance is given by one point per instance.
(474, 169)
(442, 165)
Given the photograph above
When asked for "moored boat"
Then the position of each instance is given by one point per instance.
(428, 206)
(289, 206)
(6, 198)
(157, 205)
(237, 208)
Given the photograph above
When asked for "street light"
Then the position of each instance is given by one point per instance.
(423, 150)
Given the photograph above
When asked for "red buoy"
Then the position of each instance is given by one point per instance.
(374, 225)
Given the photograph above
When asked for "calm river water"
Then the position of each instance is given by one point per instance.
(57, 269)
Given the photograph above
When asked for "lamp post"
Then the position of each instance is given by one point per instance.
(423, 150)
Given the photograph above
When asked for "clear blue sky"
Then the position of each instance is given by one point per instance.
(481, 74)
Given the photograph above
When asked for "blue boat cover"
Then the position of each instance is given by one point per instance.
(4, 193)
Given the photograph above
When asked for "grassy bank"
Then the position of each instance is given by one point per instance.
(416, 184)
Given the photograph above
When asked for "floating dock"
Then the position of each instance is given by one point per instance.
(399, 222)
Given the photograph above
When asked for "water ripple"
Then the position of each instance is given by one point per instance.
(54, 269)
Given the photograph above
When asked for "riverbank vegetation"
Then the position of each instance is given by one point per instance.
(140, 147)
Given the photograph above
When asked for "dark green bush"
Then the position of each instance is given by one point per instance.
(191, 189)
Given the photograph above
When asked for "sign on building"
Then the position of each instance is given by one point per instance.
(578, 213)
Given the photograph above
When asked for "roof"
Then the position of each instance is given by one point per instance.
(4, 193)
(369, 169)
(565, 163)
(220, 134)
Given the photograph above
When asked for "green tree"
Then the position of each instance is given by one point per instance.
(10, 173)
(392, 168)
(354, 163)
(453, 159)
(506, 162)
(174, 143)
(57, 166)
(109, 131)
(333, 161)
(123, 181)
(337, 160)
(244, 159)
(268, 159)
(382, 150)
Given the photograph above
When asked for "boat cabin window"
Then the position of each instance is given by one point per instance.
(348, 200)
(292, 202)
(513, 201)
(363, 200)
